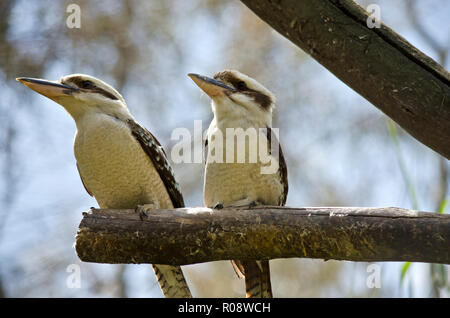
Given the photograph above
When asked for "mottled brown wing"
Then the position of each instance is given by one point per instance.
(157, 155)
(282, 169)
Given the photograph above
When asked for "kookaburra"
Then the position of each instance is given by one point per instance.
(239, 101)
(120, 163)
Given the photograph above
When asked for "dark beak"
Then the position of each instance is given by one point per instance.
(49, 89)
(210, 86)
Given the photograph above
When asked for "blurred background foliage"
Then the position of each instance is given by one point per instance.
(341, 151)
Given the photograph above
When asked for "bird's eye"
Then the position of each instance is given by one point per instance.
(241, 85)
(87, 84)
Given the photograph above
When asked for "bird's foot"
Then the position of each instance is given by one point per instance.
(144, 209)
(240, 205)
(218, 206)
(253, 204)
(244, 205)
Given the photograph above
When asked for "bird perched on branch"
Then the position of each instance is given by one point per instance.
(242, 105)
(120, 163)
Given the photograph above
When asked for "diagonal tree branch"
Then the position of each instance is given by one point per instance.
(195, 235)
(377, 63)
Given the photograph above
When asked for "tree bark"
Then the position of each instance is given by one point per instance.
(194, 235)
(377, 63)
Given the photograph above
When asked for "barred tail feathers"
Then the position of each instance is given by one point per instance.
(172, 281)
(257, 278)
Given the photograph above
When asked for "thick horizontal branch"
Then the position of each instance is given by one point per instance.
(195, 235)
(377, 63)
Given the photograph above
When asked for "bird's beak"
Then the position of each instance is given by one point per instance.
(210, 86)
(50, 89)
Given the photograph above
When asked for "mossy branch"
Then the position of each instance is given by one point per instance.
(195, 235)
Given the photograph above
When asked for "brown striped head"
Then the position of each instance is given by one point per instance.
(247, 86)
(237, 95)
(89, 85)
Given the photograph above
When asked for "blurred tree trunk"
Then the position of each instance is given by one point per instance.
(380, 65)
(7, 131)
(121, 282)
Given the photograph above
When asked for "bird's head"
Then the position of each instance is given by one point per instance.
(80, 95)
(237, 95)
